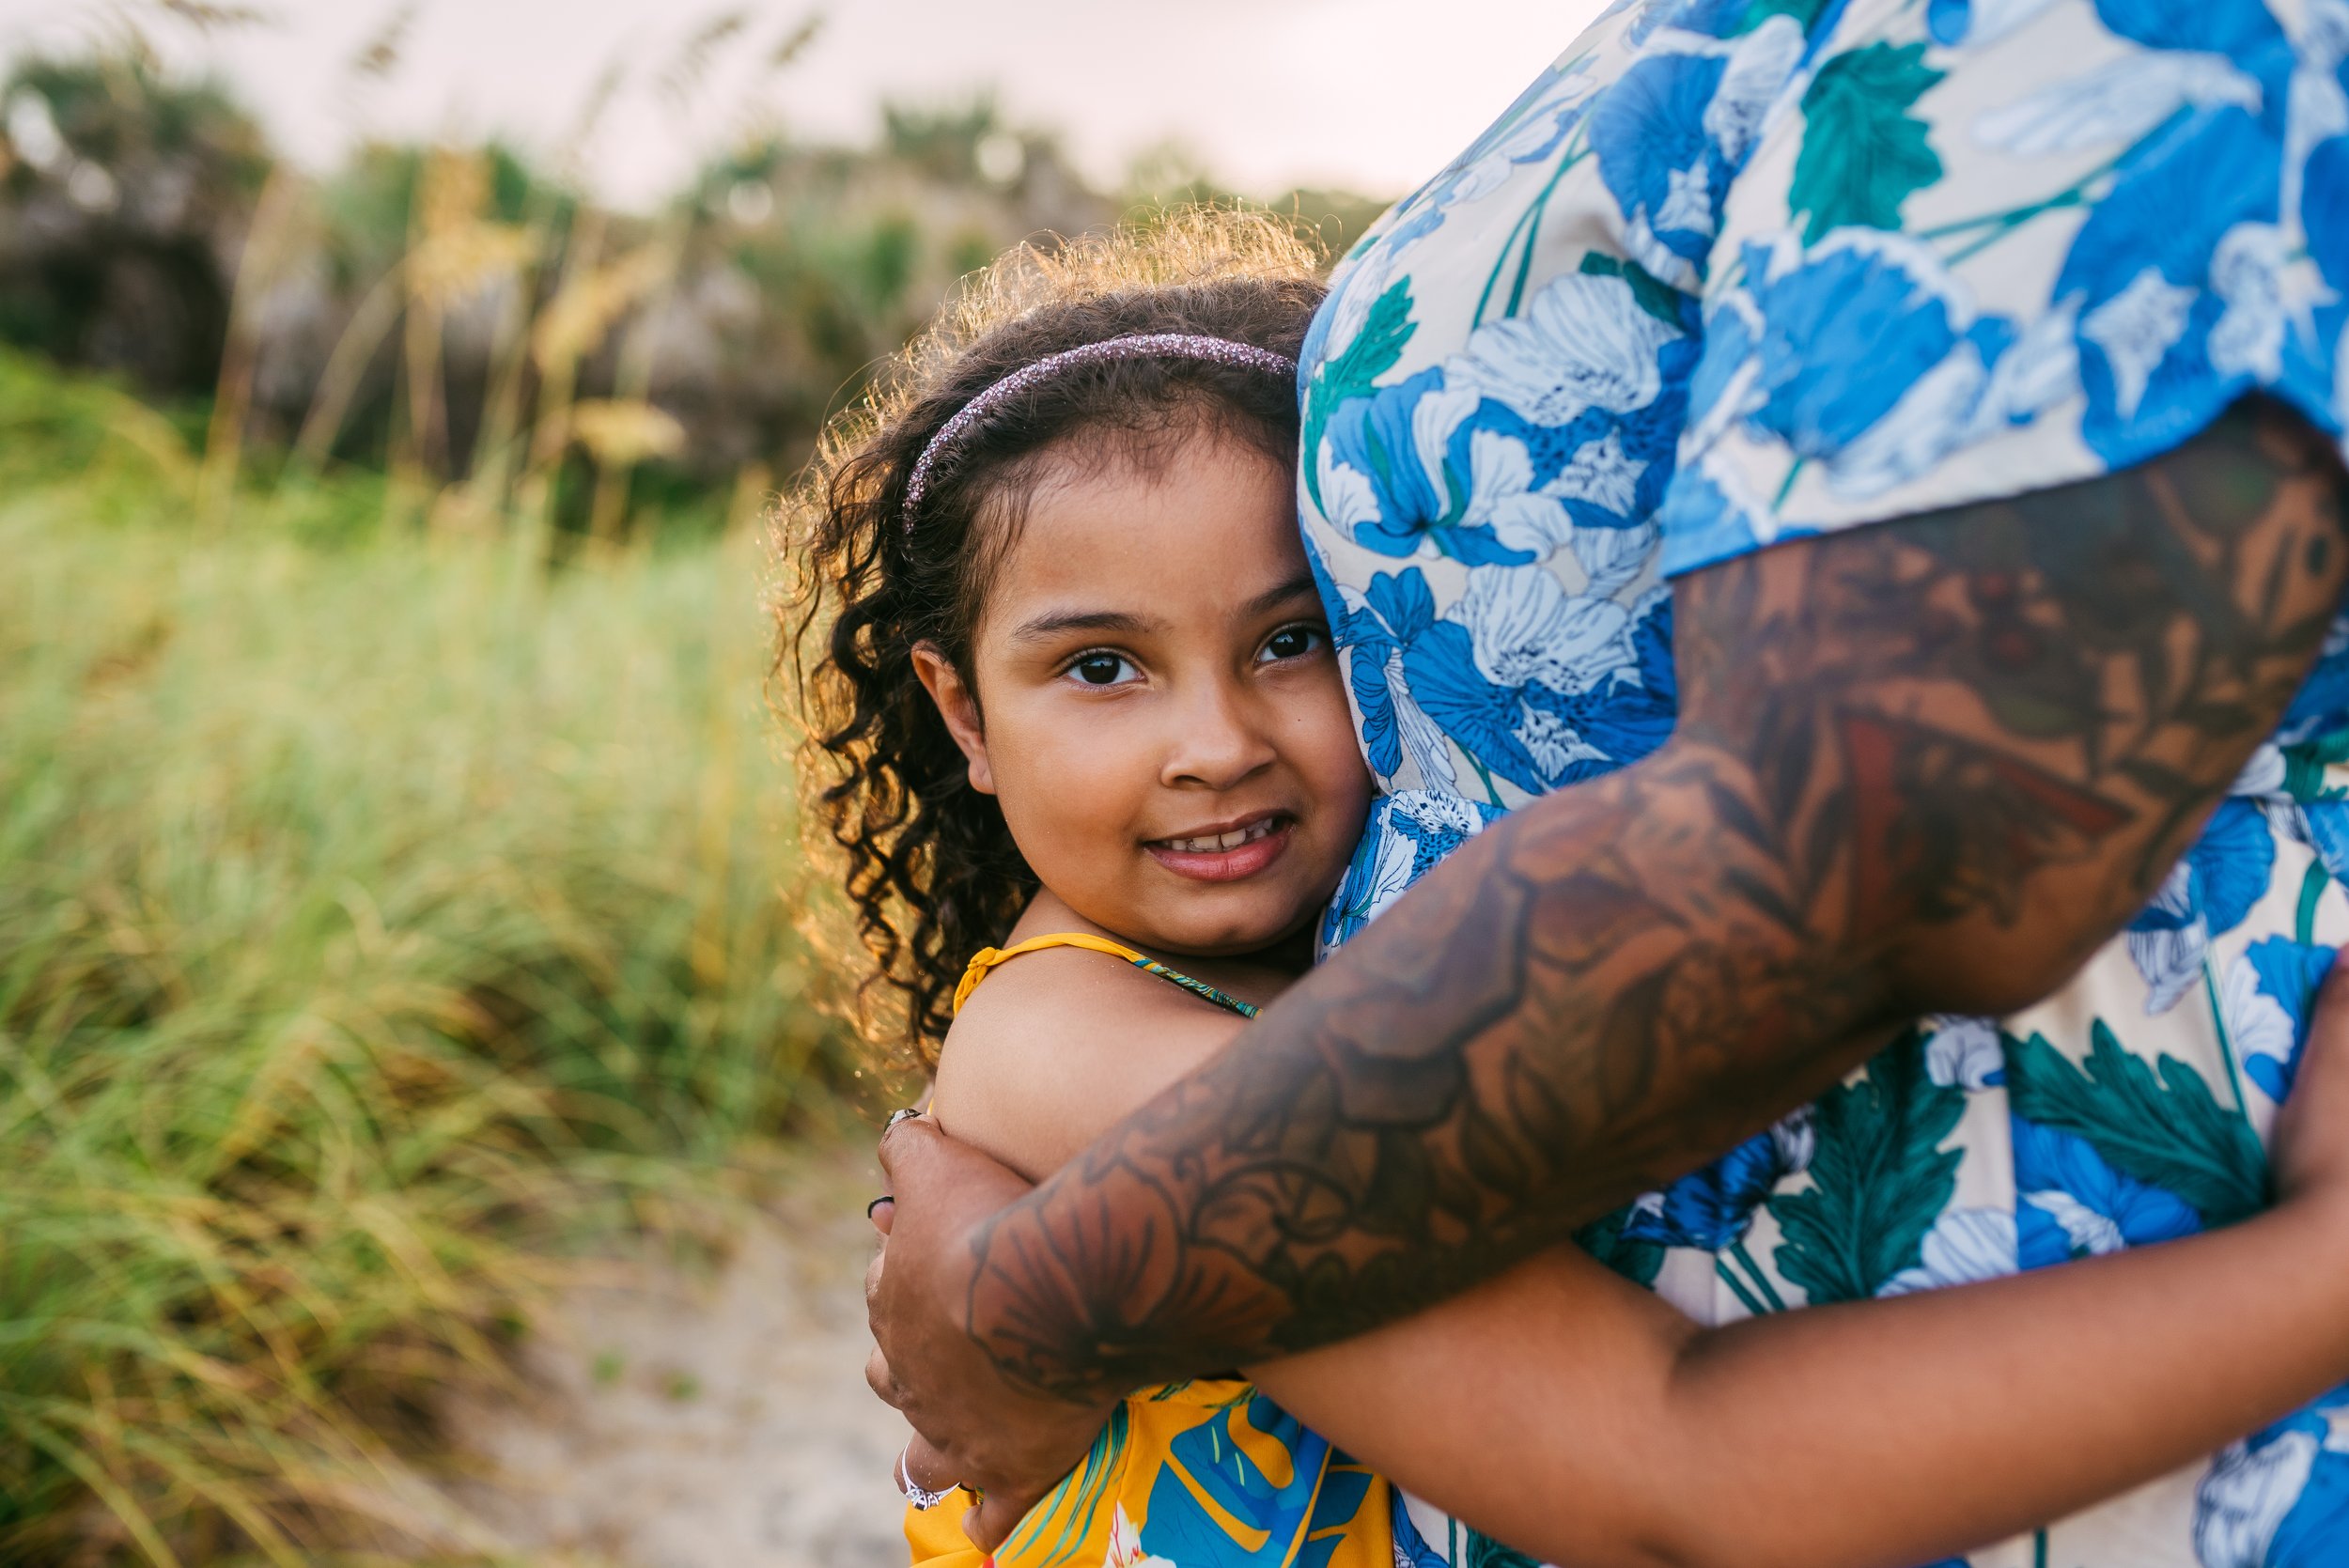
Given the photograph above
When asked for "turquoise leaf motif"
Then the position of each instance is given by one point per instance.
(1880, 1179)
(1804, 11)
(1653, 294)
(2167, 1131)
(1637, 1261)
(2306, 766)
(1483, 1551)
(1863, 153)
(1376, 348)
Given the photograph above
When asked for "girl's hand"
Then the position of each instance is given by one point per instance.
(2310, 1151)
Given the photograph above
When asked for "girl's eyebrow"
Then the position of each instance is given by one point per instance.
(1295, 587)
(1044, 627)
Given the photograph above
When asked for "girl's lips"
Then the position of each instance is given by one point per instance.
(1226, 865)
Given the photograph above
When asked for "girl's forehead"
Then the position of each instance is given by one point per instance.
(1221, 505)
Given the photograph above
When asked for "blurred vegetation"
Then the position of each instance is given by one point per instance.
(464, 317)
(380, 924)
(399, 892)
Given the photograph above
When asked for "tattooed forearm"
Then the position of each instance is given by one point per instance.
(1922, 766)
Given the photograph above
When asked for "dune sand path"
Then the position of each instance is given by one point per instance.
(683, 1420)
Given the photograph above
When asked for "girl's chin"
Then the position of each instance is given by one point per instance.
(1226, 933)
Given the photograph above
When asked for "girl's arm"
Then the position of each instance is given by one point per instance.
(1577, 1418)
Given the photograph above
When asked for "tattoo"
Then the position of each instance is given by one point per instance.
(1927, 766)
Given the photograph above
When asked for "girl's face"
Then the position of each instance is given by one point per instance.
(1158, 710)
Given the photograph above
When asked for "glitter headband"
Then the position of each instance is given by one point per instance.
(1192, 345)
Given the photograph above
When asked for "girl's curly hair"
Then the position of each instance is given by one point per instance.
(931, 870)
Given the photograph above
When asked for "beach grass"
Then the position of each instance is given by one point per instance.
(387, 916)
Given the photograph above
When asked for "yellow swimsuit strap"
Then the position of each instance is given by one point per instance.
(988, 958)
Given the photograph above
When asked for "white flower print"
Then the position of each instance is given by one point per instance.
(1349, 499)
(1962, 1051)
(1424, 741)
(2257, 1024)
(1795, 1137)
(2263, 777)
(1689, 204)
(2090, 1232)
(2115, 104)
(2267, 293)
(1525, 629)
(2245, 1495)
(1614, 558)
(1551, 742)
(1759, 68)
(2171, 960)
(1125, 1545)
(1602, 473)
(1502, 493)
(1964, 1248)
(2137, 328)
(1584, 342)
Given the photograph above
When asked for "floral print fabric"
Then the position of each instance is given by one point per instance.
(1733, 271)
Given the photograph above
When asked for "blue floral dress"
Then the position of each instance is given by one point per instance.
(1738, 271)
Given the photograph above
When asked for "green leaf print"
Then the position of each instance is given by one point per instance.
(1483, 1551)
(1804, 11)
(1375, 350)
(2168, 1131)
(2306, 766)
(1863, 153)
(1638, 1262)
(1655, 296)
(1880, 1179)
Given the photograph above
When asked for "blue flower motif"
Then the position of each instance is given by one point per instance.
(2324, 697)
(2227, 870)
(1560, 420)
(1864, 355)
(2138, 276)
(1372, 636)
(1545, 689)
(2071, 1203)
(2290, 973)
(2281, 1498)
(1409, 835)
(1713, 1208)
(1661, 165)
(2247, 35)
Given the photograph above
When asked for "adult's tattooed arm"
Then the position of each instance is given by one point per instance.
(1927, 766)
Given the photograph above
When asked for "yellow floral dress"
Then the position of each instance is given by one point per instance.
(1204, 1474)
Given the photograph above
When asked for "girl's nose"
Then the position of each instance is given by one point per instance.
(1218, 742)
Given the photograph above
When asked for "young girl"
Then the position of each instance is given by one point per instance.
(1094, 776)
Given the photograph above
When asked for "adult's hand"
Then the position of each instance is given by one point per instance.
(1006, 1441)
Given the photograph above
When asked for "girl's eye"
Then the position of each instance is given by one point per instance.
(1102, 669)
(1293, 642)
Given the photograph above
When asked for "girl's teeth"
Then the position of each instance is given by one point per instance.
(1218, 843)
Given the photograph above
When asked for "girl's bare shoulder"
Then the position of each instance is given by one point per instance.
(1057, 1046)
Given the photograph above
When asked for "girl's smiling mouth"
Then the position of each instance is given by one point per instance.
(1228, 853)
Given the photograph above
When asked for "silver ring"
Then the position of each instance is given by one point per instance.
(920, 1497)
(907, 1114)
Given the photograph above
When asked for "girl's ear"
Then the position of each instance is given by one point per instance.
(960, 706)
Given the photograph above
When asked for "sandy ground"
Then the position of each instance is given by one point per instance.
(684, 1421)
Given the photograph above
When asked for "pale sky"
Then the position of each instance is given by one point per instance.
(1372, 94)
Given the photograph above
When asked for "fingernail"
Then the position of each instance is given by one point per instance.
(907, 1114)
(876, 1203)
